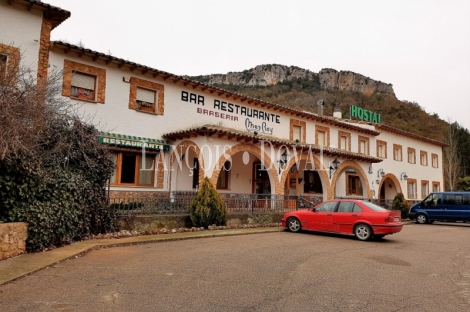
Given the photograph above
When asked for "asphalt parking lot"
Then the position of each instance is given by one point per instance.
(422, 268)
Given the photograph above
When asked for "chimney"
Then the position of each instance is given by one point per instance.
(337, 113)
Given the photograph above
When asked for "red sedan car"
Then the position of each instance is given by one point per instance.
(351, 217)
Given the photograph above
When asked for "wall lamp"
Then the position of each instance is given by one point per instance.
(403, 176)
(283, 160)
(377, 181)
(380, 173)
(334, 167)
(371, 171)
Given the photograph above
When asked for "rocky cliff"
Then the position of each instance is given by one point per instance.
(329, 79)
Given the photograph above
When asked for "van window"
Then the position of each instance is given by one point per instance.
(433, 200)
(449, 199)
(466, 199)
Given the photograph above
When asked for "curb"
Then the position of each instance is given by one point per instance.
(14, 268)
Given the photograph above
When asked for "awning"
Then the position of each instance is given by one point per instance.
(133, 141)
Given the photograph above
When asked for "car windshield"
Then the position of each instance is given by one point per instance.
(373, 206)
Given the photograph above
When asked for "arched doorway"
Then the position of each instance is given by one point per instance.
(350, 180)
(389, 187)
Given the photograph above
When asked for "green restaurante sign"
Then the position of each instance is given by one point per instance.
(133, 141)
(364, 114)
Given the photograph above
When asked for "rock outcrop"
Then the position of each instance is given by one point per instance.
(330, 79)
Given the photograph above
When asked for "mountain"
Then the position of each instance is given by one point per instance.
(301, 89)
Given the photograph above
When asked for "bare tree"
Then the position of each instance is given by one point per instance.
(452, 168)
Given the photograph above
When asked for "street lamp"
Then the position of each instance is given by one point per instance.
(403, 176)
(380, 173)
(334, 167)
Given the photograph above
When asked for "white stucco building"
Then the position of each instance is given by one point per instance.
(192, 130)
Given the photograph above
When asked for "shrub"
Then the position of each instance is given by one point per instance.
(207, 207)
(400, 203)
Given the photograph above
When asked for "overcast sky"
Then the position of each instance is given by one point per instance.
(421, 47)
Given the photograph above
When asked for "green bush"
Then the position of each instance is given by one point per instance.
(207, 207)
(400, 203)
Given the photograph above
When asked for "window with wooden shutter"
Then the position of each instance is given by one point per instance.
(83, 86)
(145, 100)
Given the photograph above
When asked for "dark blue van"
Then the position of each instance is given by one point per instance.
(442, 206)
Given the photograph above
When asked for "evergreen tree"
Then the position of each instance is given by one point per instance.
(400, 203)
(207, 207)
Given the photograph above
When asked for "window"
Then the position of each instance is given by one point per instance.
(83, 86)
(3, 65)
(327, 207)
(312, 182)
(146, 96)
(397, 152)
(411, 188)
(424, 188)
(344, 141)
(433, 200)
(322, 136)
(133, 170)
(381, 149)
(435, 161)
(424, 158)
(411, 155)
(354, 185)
(436, 187)
(84, 82)
(145, 100)
(222, 181)
(297, 133)
(345, 206)
(363, 145)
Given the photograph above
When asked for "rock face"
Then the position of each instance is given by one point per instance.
(348, 81)
(330, 79)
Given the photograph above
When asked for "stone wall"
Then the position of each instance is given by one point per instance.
(12, 239)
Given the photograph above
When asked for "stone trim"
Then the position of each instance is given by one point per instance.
(425, 154)
(99, 73)
(327, 134)
(303, 125)
(160, 170)
(367, 144)
(158, 88)
(348, 140)
(411, 161)
(13, 55)
(434, 156)
(434, 183)
(400, 148)
(381, 143)
(408, 182)
(44, 45)
(394, 180)
(424, 182)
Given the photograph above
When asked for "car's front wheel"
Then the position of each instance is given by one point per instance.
(293, 224)
(421, 218)
(363, 232)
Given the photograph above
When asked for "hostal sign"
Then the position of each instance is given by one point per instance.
(364, 114)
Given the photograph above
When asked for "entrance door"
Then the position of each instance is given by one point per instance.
(291, 189)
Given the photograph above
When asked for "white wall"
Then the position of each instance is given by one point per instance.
(22, 29)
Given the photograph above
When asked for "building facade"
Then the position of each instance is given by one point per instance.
(168, 132)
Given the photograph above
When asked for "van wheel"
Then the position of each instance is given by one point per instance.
(363, 232)
(421, 219)
(293, 225)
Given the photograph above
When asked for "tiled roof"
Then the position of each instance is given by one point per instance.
(249, 137)
(67, 47)
(409, 134)
(56, 14)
